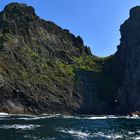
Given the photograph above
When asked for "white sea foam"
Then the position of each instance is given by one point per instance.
(131, 133)
(3, 114)
(108, 136)
(62, 116)
(137, 138)
(32, 118)
(95, 118)
(98, 117)
(76, 133)
(19, 126)
(89, 117)
(101, 134)
(48, 116)
(110, 117)
(38, 117)
(83, 135)
(118, 136)
(45, 117)
(71, 117)
(92, 117)
(138, 131)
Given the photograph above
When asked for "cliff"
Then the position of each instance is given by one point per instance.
(38, 63)
(46, 69)
(128, 57)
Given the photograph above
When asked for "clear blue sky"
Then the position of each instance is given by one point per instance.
(96, 21)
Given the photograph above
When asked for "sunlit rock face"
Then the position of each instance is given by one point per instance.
(38, 62)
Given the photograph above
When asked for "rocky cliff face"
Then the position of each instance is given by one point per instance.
(46, 69)
(128, 56)
(38, 63)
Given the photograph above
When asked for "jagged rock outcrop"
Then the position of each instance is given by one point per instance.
(46, 69)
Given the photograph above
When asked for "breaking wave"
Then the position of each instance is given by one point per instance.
(57, 126)
(28, 117)
(78, 134)
(19, 126)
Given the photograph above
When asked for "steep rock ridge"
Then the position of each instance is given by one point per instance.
(128, 61)
(38, 63)
(20, 20)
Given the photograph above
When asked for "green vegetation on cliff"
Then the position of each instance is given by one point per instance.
(44, 68)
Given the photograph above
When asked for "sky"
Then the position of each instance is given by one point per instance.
(96, 21)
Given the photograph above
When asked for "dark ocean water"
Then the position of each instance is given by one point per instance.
(58, 127)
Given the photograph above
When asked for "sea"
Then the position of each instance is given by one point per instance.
(63, 127)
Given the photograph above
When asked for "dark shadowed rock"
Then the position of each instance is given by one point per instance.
(128, 59)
